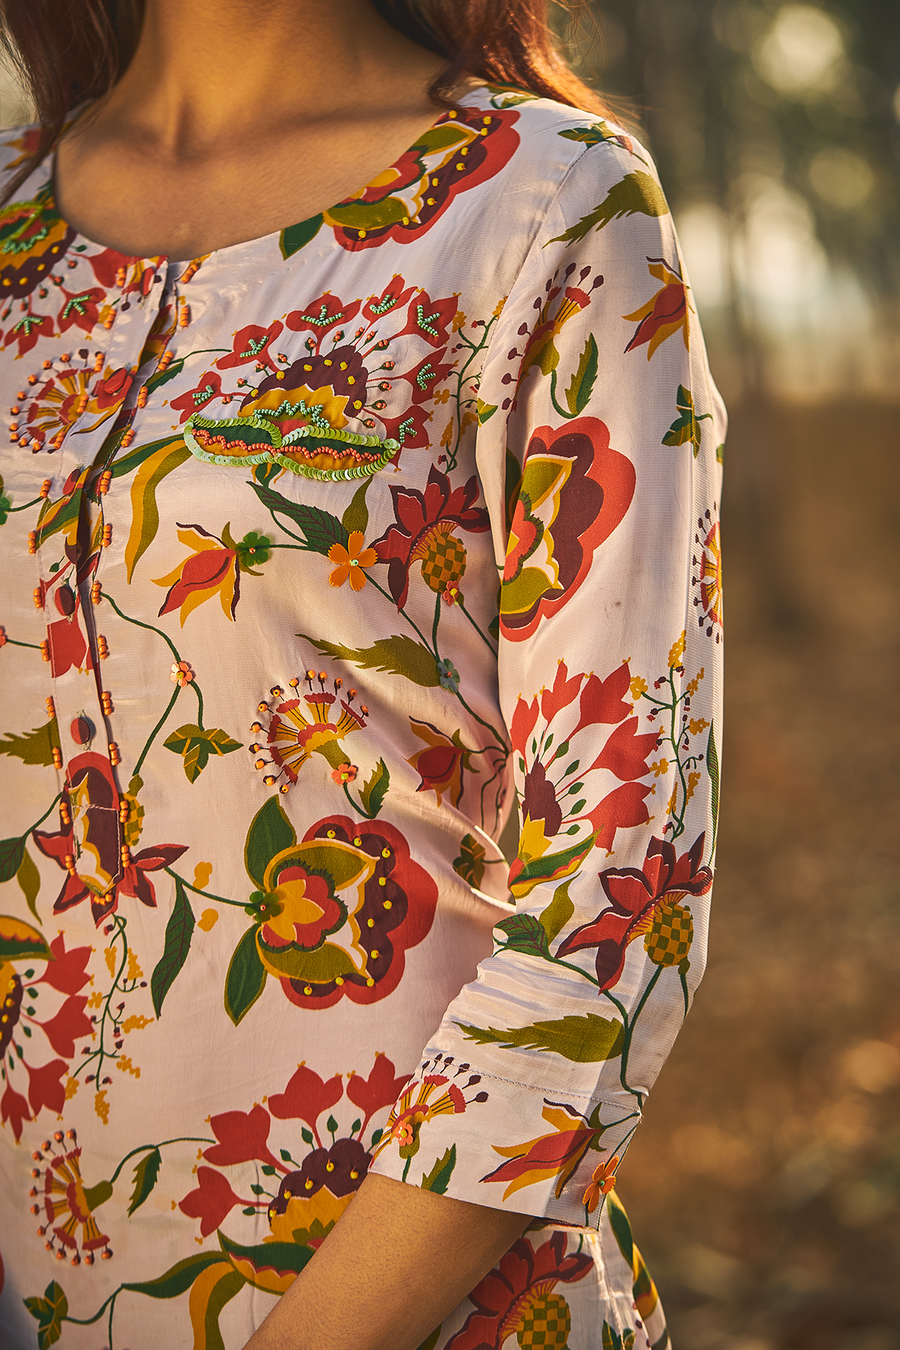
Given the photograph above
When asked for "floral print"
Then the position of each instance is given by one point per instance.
(323, 554)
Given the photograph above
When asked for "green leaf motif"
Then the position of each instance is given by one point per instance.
(582, 386)
(636, 193)
(397, 655)
(281, 1256)
(712, 764)
(179, 931)
(373, 791)
(558, 912)
(246, 978)
(270, 833)
(33, 747)
(195, 744)
(178, 1278)
(582, 1040)
(145, 1175)
(298, 236)
(525, 933)
(356, 516)
(29, 879)
(686, 426)
(319, 528)
(470, 863)
(50, 1313)
(485, 411)
(438, 1178)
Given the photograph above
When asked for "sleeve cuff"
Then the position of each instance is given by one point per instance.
(553, 1157)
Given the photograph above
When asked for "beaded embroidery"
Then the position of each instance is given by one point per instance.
(257, 439)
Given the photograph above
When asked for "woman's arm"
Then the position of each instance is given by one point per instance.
(400, 1259)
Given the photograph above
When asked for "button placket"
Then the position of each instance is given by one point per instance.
(70, 562)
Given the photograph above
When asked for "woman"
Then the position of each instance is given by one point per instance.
(263, 717)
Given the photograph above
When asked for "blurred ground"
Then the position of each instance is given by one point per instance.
(764, 1185)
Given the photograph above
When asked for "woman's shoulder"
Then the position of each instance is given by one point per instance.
(555, 137)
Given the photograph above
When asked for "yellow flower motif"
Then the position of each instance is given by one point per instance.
(134, 969)
(694, 684)
(638, 686)
(101, 1106)
(693, 779)
(697, 724)
(659, 767)
(458, 320)
(676, 651)
(351, 561)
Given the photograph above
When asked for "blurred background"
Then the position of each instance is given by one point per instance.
(764, 1184)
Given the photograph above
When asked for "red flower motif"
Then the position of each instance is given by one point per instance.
(664, 313)
(431, 319)
(111, 391)
(563, 522)
(417, 514)
(394, 295)
(242, 1137)
(68, 645)
(69, 1024)
(403, 203)
(506, 1292)
(252, 344)
(14, 1110)
(634, 898)
(44, 1087)
(134, 880)
(66, 972)
(307, 1096)
(379, 1090)
(207, 388)
(550, 1155)
(26, 330)
(208, 571)
(321, 314)
(80, 309)
(211, 1202)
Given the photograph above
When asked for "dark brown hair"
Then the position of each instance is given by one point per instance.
(71, 51)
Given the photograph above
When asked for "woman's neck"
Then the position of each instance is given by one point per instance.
(207, 71)
(237, 118)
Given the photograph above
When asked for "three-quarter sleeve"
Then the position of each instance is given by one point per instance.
(598, 451)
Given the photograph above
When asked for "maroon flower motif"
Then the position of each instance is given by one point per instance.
(634, 897)
(418, 514)
(211, 1202)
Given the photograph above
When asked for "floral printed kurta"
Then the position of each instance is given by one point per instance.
(318, 554)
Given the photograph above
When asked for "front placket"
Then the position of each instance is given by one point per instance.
(70, 540)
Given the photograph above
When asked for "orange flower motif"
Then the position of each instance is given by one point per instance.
(601, 1183)
(181, 673)
(344, 773)
(351, 561)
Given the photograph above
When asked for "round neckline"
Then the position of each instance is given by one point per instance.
(48, 169)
